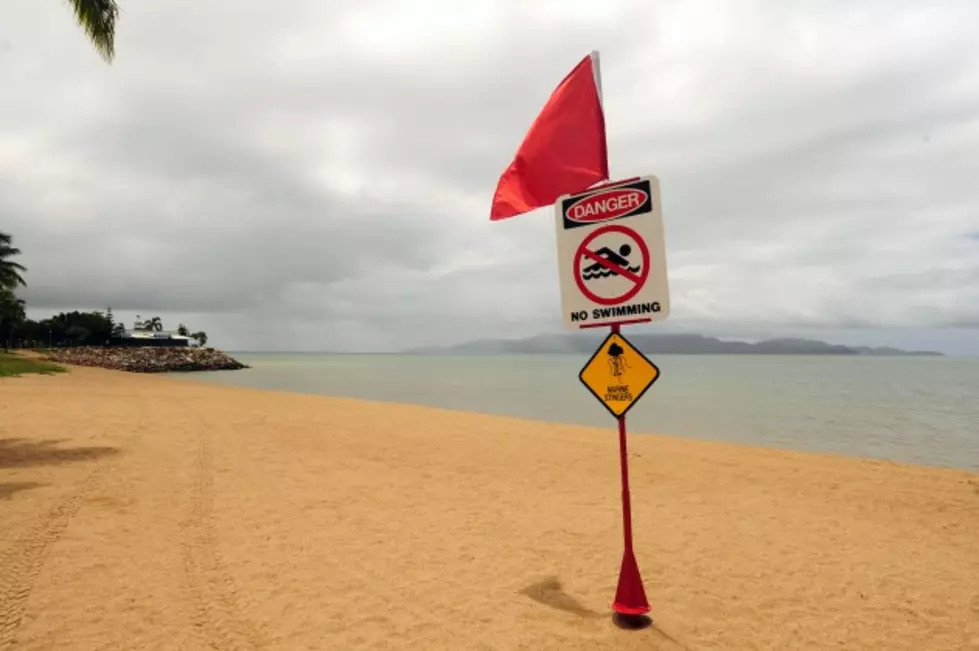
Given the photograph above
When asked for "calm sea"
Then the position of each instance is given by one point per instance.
(916, 410)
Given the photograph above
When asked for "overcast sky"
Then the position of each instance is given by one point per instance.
(315, 174)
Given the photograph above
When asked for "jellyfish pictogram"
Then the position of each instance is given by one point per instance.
(616, 360)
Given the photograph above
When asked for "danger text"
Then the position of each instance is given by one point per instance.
(599, 207)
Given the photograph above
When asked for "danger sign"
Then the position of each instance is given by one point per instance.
(611, 255)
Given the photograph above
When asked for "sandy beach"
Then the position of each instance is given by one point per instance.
(155, 513)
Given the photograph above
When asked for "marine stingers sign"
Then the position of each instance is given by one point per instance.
(618, 374)
(611, 255)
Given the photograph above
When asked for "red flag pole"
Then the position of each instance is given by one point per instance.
(630, 596)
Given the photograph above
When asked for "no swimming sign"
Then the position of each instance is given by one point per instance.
(612, 255)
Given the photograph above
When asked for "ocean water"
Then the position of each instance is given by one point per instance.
(915, 410)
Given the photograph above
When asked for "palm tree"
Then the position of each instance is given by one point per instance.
(11, 313)
(98, 19)
(10, 276)
(201, 338)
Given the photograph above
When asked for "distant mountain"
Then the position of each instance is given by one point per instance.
(665, 344)
(887, 351)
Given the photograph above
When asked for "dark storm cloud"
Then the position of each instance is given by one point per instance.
(226, 223)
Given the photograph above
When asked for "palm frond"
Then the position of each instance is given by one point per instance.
(9, 271)
(8, 264)
(98, 19)
(9, 279)
(9, 276)
(8, 251)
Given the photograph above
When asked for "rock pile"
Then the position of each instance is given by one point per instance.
(148, 359)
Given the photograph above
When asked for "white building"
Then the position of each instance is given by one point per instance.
(155, 338)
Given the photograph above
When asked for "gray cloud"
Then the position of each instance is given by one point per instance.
(320, 177)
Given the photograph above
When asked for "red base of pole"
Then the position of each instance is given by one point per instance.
(630, 597)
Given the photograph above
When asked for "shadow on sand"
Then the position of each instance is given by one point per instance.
(23, 453)
(642, 622)
(7, 490)
(550, 593)
(632, 622)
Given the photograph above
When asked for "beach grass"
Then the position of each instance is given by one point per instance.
(12, 365)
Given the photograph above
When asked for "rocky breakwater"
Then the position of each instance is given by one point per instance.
(149, 359)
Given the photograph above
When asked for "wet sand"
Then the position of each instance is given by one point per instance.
(146, 512)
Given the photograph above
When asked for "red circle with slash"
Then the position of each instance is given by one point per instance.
(637, 280)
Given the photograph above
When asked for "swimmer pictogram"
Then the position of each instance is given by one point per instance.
(619, 259)
(607, 254)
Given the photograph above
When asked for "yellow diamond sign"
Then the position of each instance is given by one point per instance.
(618, 374)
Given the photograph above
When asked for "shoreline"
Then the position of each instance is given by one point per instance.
(366, 403)
(611, 426)
(363, 404)
(199, 514)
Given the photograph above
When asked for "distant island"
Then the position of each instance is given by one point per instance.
(664, 344)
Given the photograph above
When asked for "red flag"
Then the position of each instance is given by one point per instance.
(564, 150)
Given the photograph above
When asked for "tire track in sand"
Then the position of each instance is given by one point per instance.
(216, 613)
(21, 563)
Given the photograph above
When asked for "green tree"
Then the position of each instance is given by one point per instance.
(78, 334)
(88, 328)
(11, 315)
(153, 325)
(98, 19)
(200, 336)
(10, 271)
